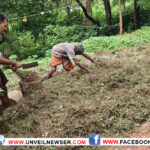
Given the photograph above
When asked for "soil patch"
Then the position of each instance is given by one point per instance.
(114, 101)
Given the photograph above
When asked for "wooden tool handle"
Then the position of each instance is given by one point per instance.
(29, 65)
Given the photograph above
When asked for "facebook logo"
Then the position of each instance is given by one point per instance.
(94, 139)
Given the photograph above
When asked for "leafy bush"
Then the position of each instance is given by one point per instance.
(13, 57)
(128, 19)
(77, 18)
(23, 45)
(57, 34)
(115, 42)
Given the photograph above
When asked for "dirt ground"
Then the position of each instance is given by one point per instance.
(142, 132)
(114, 101)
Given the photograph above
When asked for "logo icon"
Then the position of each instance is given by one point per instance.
(94, 139)
(2, 139)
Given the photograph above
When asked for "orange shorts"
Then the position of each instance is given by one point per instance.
(67, 65)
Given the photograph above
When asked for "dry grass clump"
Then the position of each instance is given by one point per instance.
(30, 81)
(28, 76)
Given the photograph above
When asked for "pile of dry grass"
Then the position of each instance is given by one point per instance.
(113, 101)
(28, 76)
(30, 81)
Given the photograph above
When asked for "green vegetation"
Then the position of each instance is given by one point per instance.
(115, 42)
(51, 25)
(135, 38)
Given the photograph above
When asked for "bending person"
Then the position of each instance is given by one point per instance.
(63, 52)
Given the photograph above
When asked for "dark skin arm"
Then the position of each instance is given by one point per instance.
(82, 66)
(14, 65)
(89, 58)
(50, 74)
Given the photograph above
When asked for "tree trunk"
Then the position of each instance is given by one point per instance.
(69, 15)
(86, 14)
(108, 12)
(88, 8)
(121, 21)
(124, 4)
(136, 15)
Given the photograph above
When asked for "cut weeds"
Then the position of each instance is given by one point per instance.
(30, 82)
(113, 101)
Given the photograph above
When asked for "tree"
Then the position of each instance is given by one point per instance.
(36, 20)
(124, 4)
(88, 8)
(69, 15)
(144, 4)
(108, 12)
(120, 16)
(136, 15)
(68, 11)
(87, 15)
